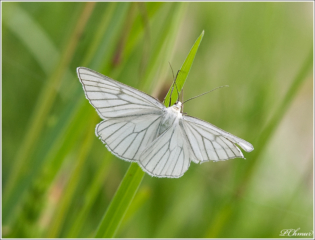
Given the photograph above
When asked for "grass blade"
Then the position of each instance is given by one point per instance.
(228, 210)
(90, 197)
(44, 104)
(183, 73)
(279, 114)
(131, 181)
(20, 22)
(65, 201)
(120, 203)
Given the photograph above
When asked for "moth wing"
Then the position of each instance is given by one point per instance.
(209, 142)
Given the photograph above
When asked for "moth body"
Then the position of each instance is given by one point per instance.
(171, 115)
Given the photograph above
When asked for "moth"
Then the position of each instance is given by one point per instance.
(136, 127)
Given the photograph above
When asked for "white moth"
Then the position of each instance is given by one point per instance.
(139, 128)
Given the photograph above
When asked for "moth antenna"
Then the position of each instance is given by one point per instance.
(171, 69)
(182, 100)
(205, 93)
(174, 83)
(173, 77)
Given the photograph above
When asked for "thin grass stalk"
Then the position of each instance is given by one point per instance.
(102, 29)
(66, 135)
(272, 126)
(103, 56)
(84, 109)
(141, 197)
(96, 184)
(99, 35)
(174, 27)
(90, 197)
(299, 190)
(114, 215)
(21, 23)
(68, 192)
(44, 104)
(32, 201)
(137, 30)
(120, 203)
(131, 181)
(102, 34)
(160, 51)
(65, 131)
(228, 209)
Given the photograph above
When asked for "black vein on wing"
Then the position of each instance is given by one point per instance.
(116, 131)
(103, 82)
(107, 126)
(215, 151)
(103, 89)
(125, 139)
(167, 150)
(145, 135)
(177, 161)
(155, 154)
(165, 164)
(106, 99)
(203, 141)
(138, 98)
(122, 109)
(215, 137)
(160, 160)
(135, 115)
(227, 156)
(146, 129)
(183, 128)
(194, 132)
(104, 78)
(131, 142)
(124, 104)
(202, 137)
(183, 162)
(227, 146)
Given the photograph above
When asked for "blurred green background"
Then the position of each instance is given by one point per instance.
(58, 178)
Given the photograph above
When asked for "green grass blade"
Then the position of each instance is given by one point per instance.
(65, 201)
(45, 168)
(90, 196)
(183, 73)
(120, 203)
(58, 148)
(99, 35)
(131, 181)
(44, 104)
(103, 170)
(106, 48)
(20, 22)
(61, 146)
(161, 52)
(280, 113)
(142, 196)
(31, 203)
(227, 211)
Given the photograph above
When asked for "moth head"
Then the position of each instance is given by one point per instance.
(178, 105)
